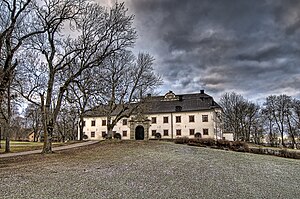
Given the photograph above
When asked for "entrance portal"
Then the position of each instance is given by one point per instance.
(139, 133)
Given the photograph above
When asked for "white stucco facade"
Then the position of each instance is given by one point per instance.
(169, 116)
(181, 124)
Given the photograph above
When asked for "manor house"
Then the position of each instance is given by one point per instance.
(167, 117)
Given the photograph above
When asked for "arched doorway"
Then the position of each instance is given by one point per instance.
(198, 135)
(139, 133)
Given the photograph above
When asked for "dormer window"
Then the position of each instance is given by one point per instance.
(178, 108)
(170, 96)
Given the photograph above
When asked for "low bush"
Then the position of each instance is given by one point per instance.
(104, 135)
(117, 136)
(239, 146)
(85, 137)
(256, 150)
(223, 144)
(181, 140)
(289, 154)
(203, 141)
(157, 136)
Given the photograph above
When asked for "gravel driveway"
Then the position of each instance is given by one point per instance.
(150, 169)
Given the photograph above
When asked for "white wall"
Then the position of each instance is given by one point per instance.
(98, 128)
(228, 136)
(184, 125)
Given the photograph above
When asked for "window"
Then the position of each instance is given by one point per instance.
(192, 131)
(92, 134)
(166, 132)
(124, 133)
(153, 132)
(153, 120)
(178, 132)
(205, 131)
(178, 119)
(178, 108)
(166, 119)
(191, 118)
(103, 133)
(93, 123)
(204, 118)
(83, 123)
(124, 121)
(103, 122)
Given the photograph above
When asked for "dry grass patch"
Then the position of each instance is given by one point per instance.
(19, 146)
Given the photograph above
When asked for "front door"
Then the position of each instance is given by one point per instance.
(139, 133)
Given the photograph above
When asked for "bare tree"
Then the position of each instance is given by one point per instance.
(66, 58)
(85, 93)
(268, 118)
(292, 120)
(127, 80)
(279, 105)
(66, 124)
(252, 122)
(33, 118)
(296, 117)
(17, 24)
(231, 103)
(240, 115)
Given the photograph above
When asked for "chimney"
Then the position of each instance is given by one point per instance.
(202, 91)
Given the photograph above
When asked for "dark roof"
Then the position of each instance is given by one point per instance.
(171, 103)
(182, 103)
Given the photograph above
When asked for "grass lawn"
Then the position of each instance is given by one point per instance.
(19, 146)
(148, 169)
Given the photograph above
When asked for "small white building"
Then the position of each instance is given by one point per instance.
(167, 117)
(228, 136)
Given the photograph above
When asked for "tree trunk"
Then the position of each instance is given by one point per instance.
(271, 136)
(294, 142)
(48, 127)
(282, 142)
(7, 137)
(109, 128)
(47, 148)
(81, 125)
(109, 131)
(7, 144)
(291, 132)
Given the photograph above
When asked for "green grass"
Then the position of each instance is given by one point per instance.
(270, 147)
(137, 169)
(19, 146)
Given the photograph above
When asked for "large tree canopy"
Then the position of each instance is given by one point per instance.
(68, 44)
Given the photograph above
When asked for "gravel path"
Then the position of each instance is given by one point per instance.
(148, 170)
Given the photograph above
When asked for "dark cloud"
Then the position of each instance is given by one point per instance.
(251, 47)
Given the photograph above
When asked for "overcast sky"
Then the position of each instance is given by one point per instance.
(251, 47)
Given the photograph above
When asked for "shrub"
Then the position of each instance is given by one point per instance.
(239, 146)
(255, 150)
(223, 144)
(289, 154)
(157, 136)
(117, 136)
(203, 141)
(181, 140)
(85, 137)
(104, 135)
